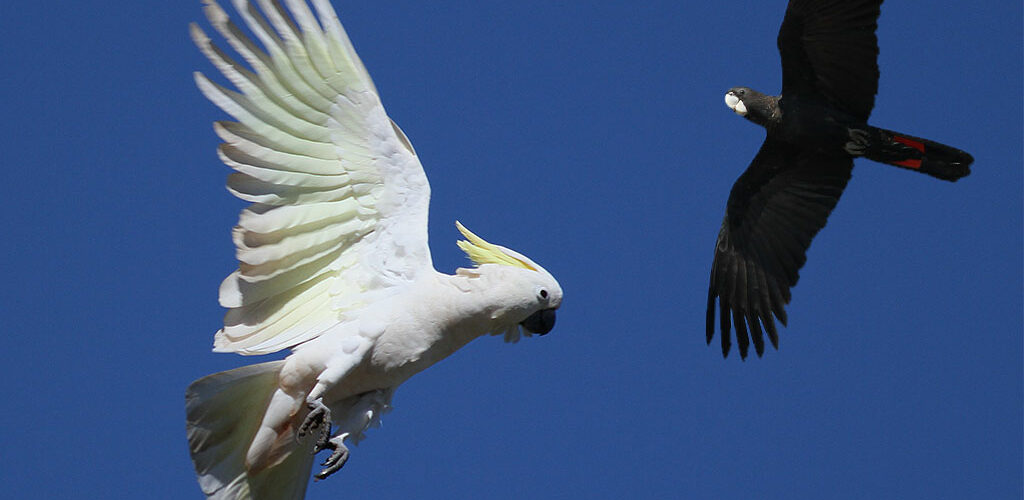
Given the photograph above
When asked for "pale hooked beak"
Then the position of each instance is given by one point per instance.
(735, 104)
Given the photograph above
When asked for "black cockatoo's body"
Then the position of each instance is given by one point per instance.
(814, 131)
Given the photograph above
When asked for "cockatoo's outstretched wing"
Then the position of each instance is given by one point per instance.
(339, 198)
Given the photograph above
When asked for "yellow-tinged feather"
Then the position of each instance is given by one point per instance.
(482, 252)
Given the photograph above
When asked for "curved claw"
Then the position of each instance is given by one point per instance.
(319, 417)
(336, 460)
(322, 443)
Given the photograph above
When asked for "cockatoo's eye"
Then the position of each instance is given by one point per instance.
(542, 294)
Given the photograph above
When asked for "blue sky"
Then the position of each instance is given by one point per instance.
(592, 138)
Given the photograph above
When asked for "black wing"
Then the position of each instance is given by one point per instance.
(829, 50)
(775, 208)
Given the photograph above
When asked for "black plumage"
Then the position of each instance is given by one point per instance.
(815, 129)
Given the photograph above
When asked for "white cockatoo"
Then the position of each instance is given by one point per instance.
(333, 260)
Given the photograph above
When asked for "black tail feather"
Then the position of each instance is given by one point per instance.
(913, 153)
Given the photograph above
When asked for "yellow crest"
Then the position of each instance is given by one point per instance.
(482, 252)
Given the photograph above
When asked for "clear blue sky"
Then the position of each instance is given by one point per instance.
(591, 137)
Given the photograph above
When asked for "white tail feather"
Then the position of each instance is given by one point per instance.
(223, 412)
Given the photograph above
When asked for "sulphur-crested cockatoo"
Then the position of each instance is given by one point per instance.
(333, 260)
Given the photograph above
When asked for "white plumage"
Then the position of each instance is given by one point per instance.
(333, 258)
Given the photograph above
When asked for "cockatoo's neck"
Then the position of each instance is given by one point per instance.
(441, 313)
(475, 304)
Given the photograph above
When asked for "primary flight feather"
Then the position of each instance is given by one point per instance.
(815, 129)
(333, 259)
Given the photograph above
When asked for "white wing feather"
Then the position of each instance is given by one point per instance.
(339, 199)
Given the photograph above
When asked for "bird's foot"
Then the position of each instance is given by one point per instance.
(319, 417)
(337, 459)
(858, 143)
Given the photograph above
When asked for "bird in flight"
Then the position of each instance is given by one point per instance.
(333, 260)
(815, 130)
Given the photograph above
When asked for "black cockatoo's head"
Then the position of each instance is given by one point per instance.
(751, 104)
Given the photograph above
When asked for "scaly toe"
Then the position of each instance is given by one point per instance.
(319, 417)
(335, 461)
(323, 444)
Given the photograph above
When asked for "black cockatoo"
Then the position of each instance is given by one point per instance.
(815, 129)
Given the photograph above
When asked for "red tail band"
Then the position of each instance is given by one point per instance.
(913, 163)
(912, 143)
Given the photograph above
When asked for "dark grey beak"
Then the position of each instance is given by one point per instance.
(540, 322)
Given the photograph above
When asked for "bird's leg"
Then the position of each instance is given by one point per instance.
(337, 458)
(357, 415)
(319, 417)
